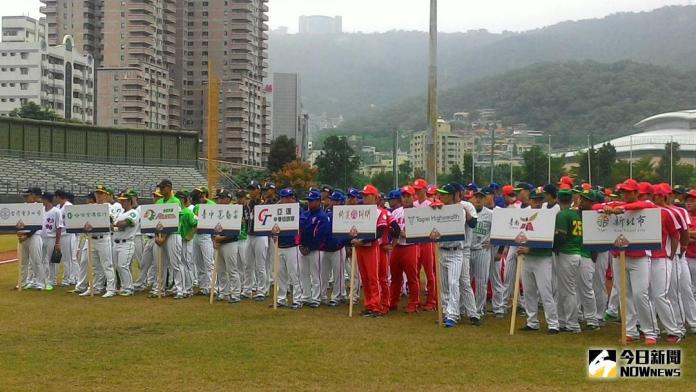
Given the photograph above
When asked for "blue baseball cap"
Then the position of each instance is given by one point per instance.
(313, 196)
(525, 185)
(459, 187)
(494, 185)
(352, 192)
(472, 186)
(395, 194)
(287, 192)
(337, 196)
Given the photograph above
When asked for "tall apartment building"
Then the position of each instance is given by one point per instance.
(320, 24)
(153, 58)
(288, 118)
(450, 149)
(231, 36)
(55, 77)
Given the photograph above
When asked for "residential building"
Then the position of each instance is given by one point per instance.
(153, 59)
(288, 118)
(449, 147)
(57, 77)
(320, 24)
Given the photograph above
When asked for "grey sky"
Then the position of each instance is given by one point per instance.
(454, 15)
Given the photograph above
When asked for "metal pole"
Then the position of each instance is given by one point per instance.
(473, 167)
(589, 160)
(213, 130)
(511, 166)
(549, 159)
(671, 161)
(431, 171)
(630, 159)
(395, 163)
(492, 149)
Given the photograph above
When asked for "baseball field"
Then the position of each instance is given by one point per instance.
(59, 341)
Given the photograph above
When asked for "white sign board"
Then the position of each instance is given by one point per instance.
(284, 217)
(449, 222)
(21, 216)
(642, 229)
(220, 219)
(358, 221)
(533, 228)
(87, 218)
(159, 218)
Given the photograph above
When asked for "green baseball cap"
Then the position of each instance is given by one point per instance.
(589, 195)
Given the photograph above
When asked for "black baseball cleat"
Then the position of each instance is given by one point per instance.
(527, 328)
(475, 321)
(552, 332)
(366, 313)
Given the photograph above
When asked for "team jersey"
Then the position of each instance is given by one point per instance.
(386, 239)
(197, 207)
(172, 200)
(569, 223)
(62, 215)
(481, 234)
(115, 210)
(138, 230)
(187, 224)
(52, 222)
(128, 232)
(468, 207)
(670, 228)
(332, 244)
(540, 252)
(399, 216)
(555, 208)
(691, 249)
(424, 203)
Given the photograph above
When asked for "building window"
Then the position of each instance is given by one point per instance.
(24, 55)
(25, 71)
(24, 86)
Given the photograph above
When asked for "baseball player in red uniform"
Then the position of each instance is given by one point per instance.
(368, 258)
(426, 258)
(404, 258)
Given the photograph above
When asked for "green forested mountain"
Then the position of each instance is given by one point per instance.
(569, 100)
(359, 74)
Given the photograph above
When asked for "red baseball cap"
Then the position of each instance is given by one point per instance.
(567, 181)
(408, 190)
(370, 189)
(420, 184)
(432, 190)
(663, 189)
(645, 188)
(586, 186)
(508, 190)
(691, 193)
(630, 185)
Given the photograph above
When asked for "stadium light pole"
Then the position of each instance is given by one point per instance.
(671, 161)
(630, 159)
(549, 159)
(589, 160)
(431, 167)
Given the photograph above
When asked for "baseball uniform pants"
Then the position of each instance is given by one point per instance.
(509, 275)
(497, 284)
(50, 269)
(680, 295)
(171, 260)
(202, 254)
(289, 275)
(269, 265)
(687, 291)
(67, 260)
(187, 263)
(332, 265)
(450, 271)
(383, 278)
(310, 277)
(427, 263)
(357, 282)
(537, 281)
(102, 258)
(255, 267)
(32, 254)
(368, 264)
(229, 276)
(124, 254)
(404, 260)
(639, 308)
(660, 278)
(467, 302)
(568, 270)
(82, 280)
(480, 267)
(585, 291)
(148, 268)
(599, 283)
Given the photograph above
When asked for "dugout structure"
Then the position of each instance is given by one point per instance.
(86, 143)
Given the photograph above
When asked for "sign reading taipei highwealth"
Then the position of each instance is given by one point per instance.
(159, 218)
(523, 226)
(447, 223)
(276, 218)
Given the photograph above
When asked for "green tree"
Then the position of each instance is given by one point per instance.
(33, 111)
(606, 159)
(283, 150)
(418, 173)
(455, 175)
(536, 165)
(247, 174)
(644, 170)
(405, 173)
(384, 181)
(683, 174)
(670, 156)
(620, 171)
(337, 162)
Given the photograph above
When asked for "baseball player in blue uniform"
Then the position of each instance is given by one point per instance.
(288, 269)
(314, 227)
(333, 256)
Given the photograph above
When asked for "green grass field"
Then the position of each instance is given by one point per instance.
(59, 341)
(8, 242)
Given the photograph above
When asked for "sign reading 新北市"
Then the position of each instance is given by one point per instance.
(640, 229)
(355, 221)
(159, 218)
(87, 218)
(219, 219)
(449, 222)
(21, 217)
(533, 228)
(285, 218)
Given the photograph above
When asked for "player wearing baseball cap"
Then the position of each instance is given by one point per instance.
(481, 256)
(688, 279)
(333, 257)
(255, 274)
(314, 229)
(426, 260)
(404, 258)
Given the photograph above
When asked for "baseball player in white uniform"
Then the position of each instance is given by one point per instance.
(50, 235)
(66, 244)
(256, 253)
(229, 282)
(32, 248)
(467, 302)
(288, 272)
(451, 259)
(125, 226)
(481, 250)
(148, 268)
(202, 246)
(102, 254)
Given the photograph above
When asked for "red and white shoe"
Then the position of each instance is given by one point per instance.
(673, 339)
(650, 341)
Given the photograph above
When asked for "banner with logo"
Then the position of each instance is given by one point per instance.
(447, 223)
(355, 221)
(632, 230)
(21, 217)
(276, 219)
(87, 218)
(523, 227)
(159, 218)
(220, 219)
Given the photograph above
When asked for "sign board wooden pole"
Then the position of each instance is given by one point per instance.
(213, 281)
(276, 266)
(90, 271)
(438, 282)
(353, 258)
(516, 296)
(160, 272)
(20, 263)
(623, 300)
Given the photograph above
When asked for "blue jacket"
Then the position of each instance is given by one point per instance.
(315, 229)
(332, 244)
(287, 240)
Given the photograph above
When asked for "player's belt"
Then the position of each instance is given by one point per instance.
(123, 241)
(450, 249)
(97, 237)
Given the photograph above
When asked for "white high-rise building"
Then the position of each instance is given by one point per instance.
(55, 77)
(288, 118)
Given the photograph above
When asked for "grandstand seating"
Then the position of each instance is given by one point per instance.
(81, 177)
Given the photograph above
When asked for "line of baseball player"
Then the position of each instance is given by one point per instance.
(570, 282)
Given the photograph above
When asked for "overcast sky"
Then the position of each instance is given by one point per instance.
(454, 15)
